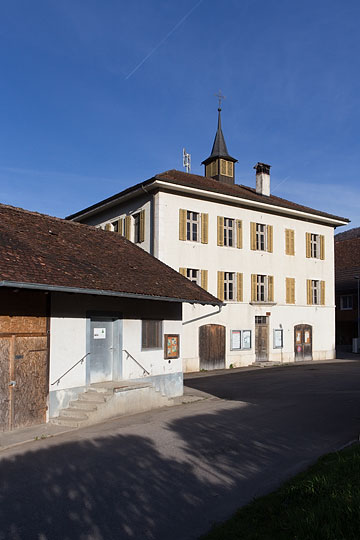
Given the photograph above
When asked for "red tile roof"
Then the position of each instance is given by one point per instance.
(208, 184)
(52, 252)
(347, 262)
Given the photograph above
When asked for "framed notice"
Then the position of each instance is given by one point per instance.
(171, 346)
(240, 339)
(278, 338)
(235, 340)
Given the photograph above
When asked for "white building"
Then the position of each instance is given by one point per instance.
(270, 260)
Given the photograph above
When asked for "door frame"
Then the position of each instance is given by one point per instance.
(267, 326)
(117, 318)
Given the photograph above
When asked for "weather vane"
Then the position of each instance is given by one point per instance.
(220, 98)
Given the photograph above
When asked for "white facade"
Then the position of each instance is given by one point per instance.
(162, 238)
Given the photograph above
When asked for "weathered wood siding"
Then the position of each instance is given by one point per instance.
(212, 346)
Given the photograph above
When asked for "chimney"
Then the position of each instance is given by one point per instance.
(262, 179)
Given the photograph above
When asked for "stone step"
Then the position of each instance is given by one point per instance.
(68, 422)
(92, 397)
(71, 412)
(85, 404)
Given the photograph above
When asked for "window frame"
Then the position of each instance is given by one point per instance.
(155, 342)
(315, 292)
(261, 237)
(197, 276)
(190, 225)
(137, 232)
(229, 232)
(261, 287)
(315, 245)
(229, 286)
(342, 306)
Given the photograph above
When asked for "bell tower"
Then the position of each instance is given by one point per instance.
(220, 165)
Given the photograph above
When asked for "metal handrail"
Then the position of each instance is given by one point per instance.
(72, 367)
(136, 362)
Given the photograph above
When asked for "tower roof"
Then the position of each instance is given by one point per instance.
(219, 149)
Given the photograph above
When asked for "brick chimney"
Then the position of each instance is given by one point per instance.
(262, 179)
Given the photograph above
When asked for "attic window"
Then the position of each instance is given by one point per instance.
(226, 168)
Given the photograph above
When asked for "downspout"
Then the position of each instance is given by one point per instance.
(205, 316)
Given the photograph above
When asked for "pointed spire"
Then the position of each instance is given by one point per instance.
(219, 147)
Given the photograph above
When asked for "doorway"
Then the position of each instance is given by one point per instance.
(303, 342)
(212, 346)
(261, 338)
(104, 350)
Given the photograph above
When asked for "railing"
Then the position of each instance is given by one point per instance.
(136, 362)
(72, 367)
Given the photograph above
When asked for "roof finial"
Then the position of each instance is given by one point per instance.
(220, 98)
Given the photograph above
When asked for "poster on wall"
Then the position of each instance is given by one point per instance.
(278, 339)
(246, 341)
(171, 346)
(99, 333)
(235, 339)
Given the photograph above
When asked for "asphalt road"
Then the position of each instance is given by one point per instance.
(169, 474)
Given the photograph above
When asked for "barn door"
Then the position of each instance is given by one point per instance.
(261, 339)
(303, 342)
(212, 346)
(23, 360)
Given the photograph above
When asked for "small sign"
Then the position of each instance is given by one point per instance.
(171, 346)
(99, 333)
(278, 338)
(246, 339)
(299, 348)
(235, 339)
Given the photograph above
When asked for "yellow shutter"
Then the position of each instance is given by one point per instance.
(204, 228)
(270, 288)
(204, 279)
(239, 243)
(120, 226)
(289, 242)
(182, 271)
(108, 227)
(309, 292)
(220, 285)
(308, 245)
(142, 226)
(290, 290)
(253, 287)
(239, 287)
(220, 231)
(253, 235)
(292, 242)
(127, 227)
(322, 247)
(230, 168)
(182, 224)
(322, 292)
(269, 229)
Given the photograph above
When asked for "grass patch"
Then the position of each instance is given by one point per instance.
(322, 503)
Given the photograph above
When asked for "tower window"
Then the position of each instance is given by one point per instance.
(226, 168)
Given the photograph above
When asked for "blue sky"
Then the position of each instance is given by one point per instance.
(97, 96)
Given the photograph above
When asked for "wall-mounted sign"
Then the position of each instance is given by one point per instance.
(278, 338)
(235, 339)
(240, 339)
(171, 346)
(99, 333)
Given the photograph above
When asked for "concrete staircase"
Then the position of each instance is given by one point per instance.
(102, 401)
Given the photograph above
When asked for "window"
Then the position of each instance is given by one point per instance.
(261, 237)
(193, 226)
(346, 302)
(240, 339)
(229, 232)
(262, 288)
(200, 277)
(137, 228)
(315, 292)
(315, 246)
(151, 335)
(230, 286)
(226, 168)
(115, 225)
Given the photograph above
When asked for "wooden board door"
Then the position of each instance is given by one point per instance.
(4, 383)
(212, 346)
(303, 342)
(261, 339)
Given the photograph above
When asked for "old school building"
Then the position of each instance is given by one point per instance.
(270, 260)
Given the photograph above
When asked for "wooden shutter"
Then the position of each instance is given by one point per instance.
(290, 290)
(269, 238)
(120, 226)
(322, 293)
(220, 285)
(239, 287)
(108, 227)
(204, 228)
(239, 242)
(220, 231)
(308, 244)
(253, 235)
(309, 291)
(322, 247)
(127, 228)
(289, 242)
(182, 271)
(182, 224)
(142, 226)
(204, 279)
(270, 288)
(253, 287)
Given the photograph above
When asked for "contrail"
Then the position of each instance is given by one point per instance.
(163, 40)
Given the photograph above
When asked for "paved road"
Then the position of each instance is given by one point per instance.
(167, 475)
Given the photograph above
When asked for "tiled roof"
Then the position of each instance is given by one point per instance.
(347, 235)
(347, 263)
(43, 250)
(208, 184)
